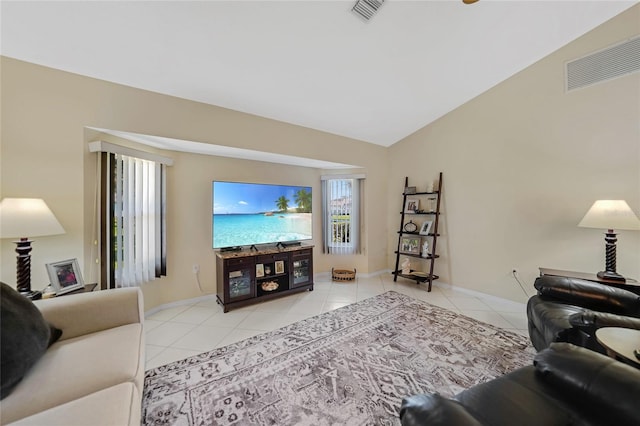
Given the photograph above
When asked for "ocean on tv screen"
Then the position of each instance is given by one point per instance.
(247, 229)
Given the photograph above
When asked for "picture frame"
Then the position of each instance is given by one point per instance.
(410, 245)
(409, 190)
(279, 266)
(426, 227)
(412, 205)
(65, 276)
(259, 270)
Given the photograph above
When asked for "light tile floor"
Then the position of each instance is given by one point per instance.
(181, 331)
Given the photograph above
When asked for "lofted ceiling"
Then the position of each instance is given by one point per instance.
(310, 63)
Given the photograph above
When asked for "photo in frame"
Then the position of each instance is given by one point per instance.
(412, 205)
(410, 245)
(65, 276)
(259, 270)
(426, 227)
(279, 266)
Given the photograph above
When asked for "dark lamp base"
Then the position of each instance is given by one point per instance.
(609, 275)
(32, 294)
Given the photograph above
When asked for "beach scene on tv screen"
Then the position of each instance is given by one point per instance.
(249, 213)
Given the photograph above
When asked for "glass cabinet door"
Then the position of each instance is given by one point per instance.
(301, 269)
(240, 284)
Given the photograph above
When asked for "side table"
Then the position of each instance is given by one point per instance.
(620, 342)
(630, 284)
(87, 288)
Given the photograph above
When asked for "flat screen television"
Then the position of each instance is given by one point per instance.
(247, 214)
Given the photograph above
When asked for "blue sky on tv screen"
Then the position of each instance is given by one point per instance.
(247, 198)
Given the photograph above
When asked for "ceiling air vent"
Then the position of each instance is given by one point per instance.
(367, 8)
(609, 63)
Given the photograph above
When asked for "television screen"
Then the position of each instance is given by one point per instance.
(254, 213)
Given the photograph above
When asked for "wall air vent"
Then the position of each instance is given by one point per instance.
(367, 8)
(612, 62)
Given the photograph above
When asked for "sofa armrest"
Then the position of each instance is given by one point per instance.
(588, 294)
(85, 313)
(601, 385)
(434, 410)
(590, 321)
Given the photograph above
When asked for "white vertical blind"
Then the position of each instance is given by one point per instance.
(341, 215)
(137, 210)
(133, 237)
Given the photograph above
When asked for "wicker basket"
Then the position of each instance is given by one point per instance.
(343, 274)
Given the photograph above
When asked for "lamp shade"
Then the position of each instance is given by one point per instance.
(27, 217)
(610, 214)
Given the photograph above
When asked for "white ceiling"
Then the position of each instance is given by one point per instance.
(310, 63)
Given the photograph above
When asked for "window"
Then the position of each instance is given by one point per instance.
(132, 219)
(341, 198)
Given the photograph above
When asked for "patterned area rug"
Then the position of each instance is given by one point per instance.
(351, 366)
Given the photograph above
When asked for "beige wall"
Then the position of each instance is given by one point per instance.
(522, 164)
(44, 154)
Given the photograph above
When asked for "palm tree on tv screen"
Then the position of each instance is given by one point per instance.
(282, 203)
(303, 199)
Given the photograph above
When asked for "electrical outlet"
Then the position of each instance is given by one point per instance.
(196, 268)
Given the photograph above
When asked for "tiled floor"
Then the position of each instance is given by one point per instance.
(179, 332)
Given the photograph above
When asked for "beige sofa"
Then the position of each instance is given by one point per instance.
(93, 375)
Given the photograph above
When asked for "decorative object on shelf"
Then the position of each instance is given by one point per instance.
(23, 218)
(410, 190)
(235, 274)
(343, 274)
(410, 226)
(267, 270)
(431, 205)
(410, 245)
(406, 266)
(425, 249)
(279, 265)
(411, 205)
(426, 227)
(610, 215)
(430, 186)
(269, 285)
(259, 270)
(65, 276)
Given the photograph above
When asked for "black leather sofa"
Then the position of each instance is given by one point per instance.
(566, 385)
(571, 310)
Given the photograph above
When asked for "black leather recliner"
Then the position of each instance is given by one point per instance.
(566, 385)
(571, 310)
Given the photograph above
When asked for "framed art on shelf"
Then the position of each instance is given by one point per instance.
(410, 245)
(426, 227)
(259, 270)
(412, 205)
(65, 276)
(279, 266)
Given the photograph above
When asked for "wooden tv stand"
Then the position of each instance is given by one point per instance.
(246, 277)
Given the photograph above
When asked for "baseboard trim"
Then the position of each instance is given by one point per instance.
(327, 276)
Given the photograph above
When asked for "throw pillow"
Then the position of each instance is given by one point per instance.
(24, 337)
